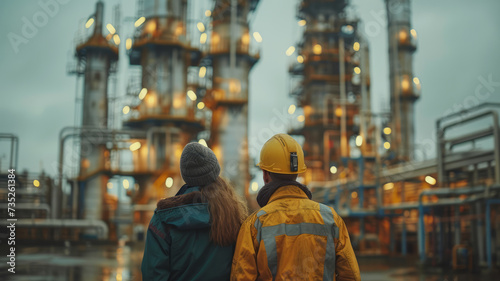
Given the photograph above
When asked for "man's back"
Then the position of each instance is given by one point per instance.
(294, 238)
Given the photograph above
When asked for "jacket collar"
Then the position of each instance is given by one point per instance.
(288, 191)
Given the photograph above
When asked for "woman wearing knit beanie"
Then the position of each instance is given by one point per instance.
(192, 235)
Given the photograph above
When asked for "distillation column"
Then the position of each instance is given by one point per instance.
(232, 60)
(332, 67)
(405, 88)
(98, 56)
(164, 52)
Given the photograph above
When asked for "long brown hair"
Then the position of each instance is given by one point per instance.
(227, 211)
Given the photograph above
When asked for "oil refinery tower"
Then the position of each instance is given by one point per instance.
(404, 87)
(164, 108)
(96, 61)
(332, 83)
(232, 59)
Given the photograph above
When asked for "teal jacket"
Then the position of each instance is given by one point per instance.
(178, 245)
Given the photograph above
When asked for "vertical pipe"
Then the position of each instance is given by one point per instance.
(362, 229)
(496, 134)
(440, 243)
(457, 225)
(12, 143)
(98, 18)
(233, 36)
(421, 233)
(403, 237)
(489, 232)
(17, 153)
(479, 229)
(361, 165)
(391, 233)
(343, 98)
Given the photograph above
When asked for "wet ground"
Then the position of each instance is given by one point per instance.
(122, 263)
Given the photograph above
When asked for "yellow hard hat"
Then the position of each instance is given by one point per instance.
(281, 154)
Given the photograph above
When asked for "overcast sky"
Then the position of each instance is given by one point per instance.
(458, 47)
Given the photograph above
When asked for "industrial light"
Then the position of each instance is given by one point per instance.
(255, 186)
(354, 195)
(203, 142)
(302, 22)
(405, 84)
(110, 28)
(126, 184)
(203, 71)
(291, 109)
(36, 183)
(403, 35)
(338, 111)
(387, 145)
(300, 59)
(203, 38)
(301, 118)
(143, 93)
(257, 36)
(201, 27)
(413, 33)
(387, 131)
(317, 49)
(416, 80)
(169, 182)
(128, 43)
(355, 47)
(388, 186)
(290, 51)
(89, 23)
(139, 21)
(357, 70)
(333, 169)
(430, 180)
(109, 185)
(208, 13)
(136, 145)
(150, 27)
(126, 109)
(359, 140)
(348, 29)
(245, 39)
(201, 105)
(192, 95)
(116, 38)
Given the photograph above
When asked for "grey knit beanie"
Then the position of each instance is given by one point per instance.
(199, 165)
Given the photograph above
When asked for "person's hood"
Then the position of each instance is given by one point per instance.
(184, 211)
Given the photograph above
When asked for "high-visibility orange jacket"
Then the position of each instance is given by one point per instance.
(294, 238)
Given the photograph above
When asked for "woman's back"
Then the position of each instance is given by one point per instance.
(178, 243)
(193, 234)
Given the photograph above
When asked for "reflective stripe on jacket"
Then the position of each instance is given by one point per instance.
(294, 238)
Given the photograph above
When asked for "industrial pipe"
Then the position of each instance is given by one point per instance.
(14, 145)
(29, 206)
(450, 202)
(61, 223)
(77, 131)
(441, 141)
(488, 230)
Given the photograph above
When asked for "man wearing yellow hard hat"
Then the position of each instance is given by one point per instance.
(291, 237)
